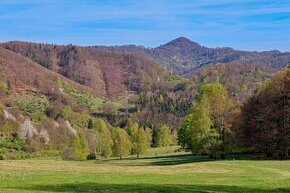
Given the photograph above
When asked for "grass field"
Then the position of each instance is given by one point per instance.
(168, 174)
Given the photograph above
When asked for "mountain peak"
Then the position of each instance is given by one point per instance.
(183, 42)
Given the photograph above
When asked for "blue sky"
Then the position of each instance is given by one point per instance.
(242, 24)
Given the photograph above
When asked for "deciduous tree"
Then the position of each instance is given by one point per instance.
(122, 144)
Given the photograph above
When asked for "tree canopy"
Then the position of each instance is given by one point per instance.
(141, 139)
(122, 144)
(266, 118)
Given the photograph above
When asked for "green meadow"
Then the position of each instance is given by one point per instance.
(172, 172)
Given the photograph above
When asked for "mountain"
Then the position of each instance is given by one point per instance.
(53, 95)
(107, 73)
(21, 75)
(184, 56)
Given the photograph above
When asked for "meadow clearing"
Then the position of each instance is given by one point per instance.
(172, 172)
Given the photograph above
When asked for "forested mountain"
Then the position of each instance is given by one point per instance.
(73, 99)
(184, 56)
(109, 74)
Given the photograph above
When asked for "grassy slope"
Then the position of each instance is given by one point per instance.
(166, 174)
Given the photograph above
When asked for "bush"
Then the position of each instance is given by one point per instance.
(46, 153)
(91, 156)
(2, 157)
(51, 112)
(11, 143)
(5, 87)
(77, 149)
(81, 120)
(66, 112)
(58, 82)
(33, 106)
(68, 153)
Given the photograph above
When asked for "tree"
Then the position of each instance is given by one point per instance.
(221, 112)
(122, 144)
(77, 148)
(141, 139)
(208, 127)
(104, 141)
(164, 137)
(266, 118)
(196, 133)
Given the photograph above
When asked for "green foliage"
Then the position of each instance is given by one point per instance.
(104, 141)
(140, 138)
(7, 128)
(12, 154)
(5, 87)
(208, 128)
(11, 143)
(100, 125)
(222, 110)
(66, 112)
(81, 120)
(176, 79)
(180, 82)
(79, 147)
(59, 82)
(51, 112)
(46, 153)
(37, 117)
(164, 137)
(195, 133)
(88, 101)
(32, 106)
(122, 144)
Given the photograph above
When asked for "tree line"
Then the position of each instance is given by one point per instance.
(216, 126)
(104, 141)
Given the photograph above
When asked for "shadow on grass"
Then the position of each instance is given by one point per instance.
(171, 160)
(168, 161)
(145, 188)
(160, 160)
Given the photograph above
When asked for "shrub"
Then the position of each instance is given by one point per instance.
(68, 153)
(46, 153)
(66, 112)
(33, 106)
(51, 112)
(81, 120)
(5, 87)
(58, 82)
(91, 156)
(77, 148)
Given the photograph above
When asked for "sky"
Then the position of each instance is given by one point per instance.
(241, 24)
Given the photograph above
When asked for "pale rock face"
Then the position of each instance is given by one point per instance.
(71, 130)
(27, 130)
(56, 124)
(44, 135)
(7, 115)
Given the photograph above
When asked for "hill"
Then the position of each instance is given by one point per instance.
(184, 56)
(109, 74)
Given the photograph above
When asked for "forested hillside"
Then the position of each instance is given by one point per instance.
(109, 74)
(87, 102)
(184, 56)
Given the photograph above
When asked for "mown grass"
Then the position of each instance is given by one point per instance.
(174, 173)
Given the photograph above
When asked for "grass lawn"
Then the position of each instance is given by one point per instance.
(174, 173)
